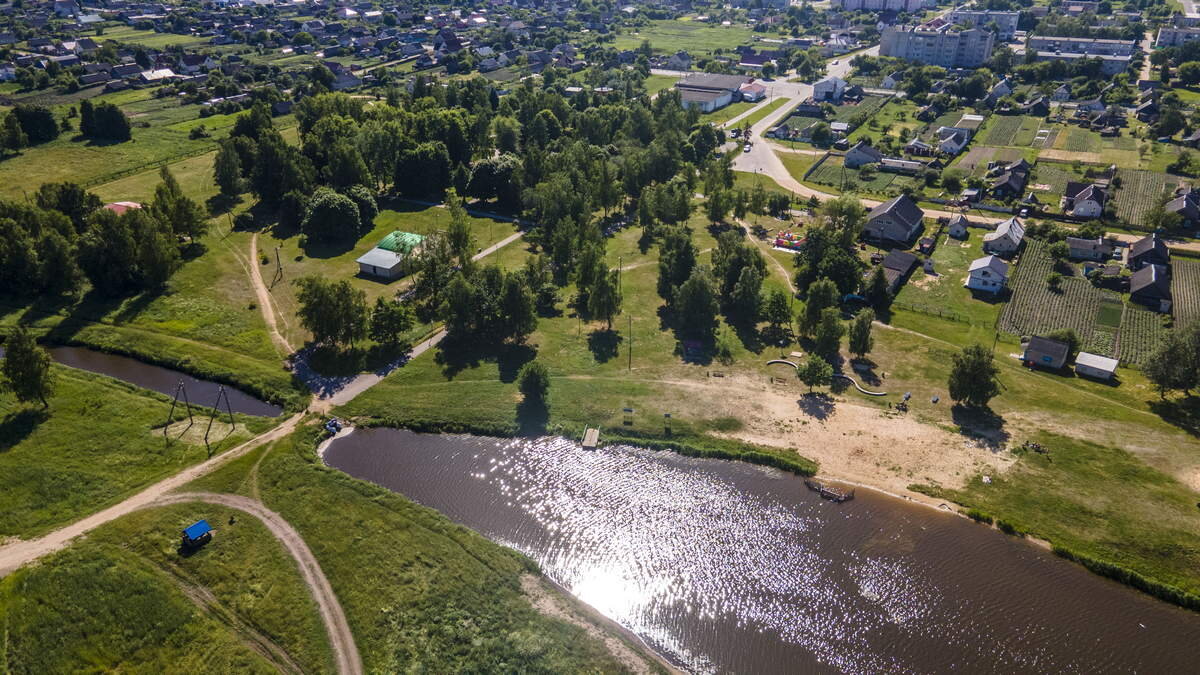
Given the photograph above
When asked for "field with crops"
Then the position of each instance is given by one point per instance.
(1082, 140)
(860, 112)
(1104, 323)
(1139, 192)
(1185, 290)
(831, 173)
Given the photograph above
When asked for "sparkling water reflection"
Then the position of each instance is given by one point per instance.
(727, 567)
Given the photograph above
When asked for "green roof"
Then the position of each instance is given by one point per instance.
(401, 242)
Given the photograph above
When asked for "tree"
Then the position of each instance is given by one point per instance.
(1058, 251)
(69, 199)
(12, 137)
(952, 181)
(390, 320)
(458, 234)
(696, 305)
(518, 312)
(175, 210)
(861, 341)
(1189, 72)
(777, 310)
(1068, 337)
(534, 383)
(878, 291)
(1175, 362)
(87, 118)
(828, 334)
(604, 299)
(822, 294)
(746, 298)
(330, 216)
(108, 122)
(333, 311)
(676, 260)
(227, 170)
(717, 206)
(424, 170)
(26, 368)
(37, 122)
(973, 376)
(815, 371)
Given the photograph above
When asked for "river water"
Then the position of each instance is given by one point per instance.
(727, 567)
(157, 378)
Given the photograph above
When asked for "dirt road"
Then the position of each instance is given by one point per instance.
(341, 639)
(264, 298)
(19, 553)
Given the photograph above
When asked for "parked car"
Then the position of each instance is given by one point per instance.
(746, 148)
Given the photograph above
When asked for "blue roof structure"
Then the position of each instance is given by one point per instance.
(198, 530)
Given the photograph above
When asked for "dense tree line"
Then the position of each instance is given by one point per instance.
(103, 121)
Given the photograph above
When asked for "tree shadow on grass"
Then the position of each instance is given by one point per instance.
(455, 356)
(816, 405)
(219, 205)
(511, 357)
(1182, 413)
(605, 344)
(749, 336)
(982, 425)
(18, 426)
(533, 417)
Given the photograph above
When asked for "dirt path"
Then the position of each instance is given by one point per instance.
(264, 299)
(340, 638)
(764, 246)
(21, 552)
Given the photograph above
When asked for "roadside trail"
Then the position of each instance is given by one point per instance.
(19, 553)
(264, 298)
(340, 638)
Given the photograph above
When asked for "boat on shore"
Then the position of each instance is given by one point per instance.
(830, 492)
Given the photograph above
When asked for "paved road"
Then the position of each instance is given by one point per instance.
(19, 553)
(338, 629)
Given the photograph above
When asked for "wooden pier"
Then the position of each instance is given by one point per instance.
(591, 438)
(829, 492)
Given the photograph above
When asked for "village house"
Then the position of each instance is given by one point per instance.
(1084, 200)
(1148, 251)
(1006, 239)
(861, 154)
(1089, 249)
(1151, 286)
(829, 89)
(1046, 353)
(897, 220)
(958, 226)
(897, 265)
(1186, 205)
(988, 274)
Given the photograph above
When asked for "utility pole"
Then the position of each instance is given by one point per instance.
(620, 264)
(631, 342)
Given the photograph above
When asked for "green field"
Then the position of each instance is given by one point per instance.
(722, 115)
(897, 117)
(99, 442)
(762, 112)
(125, 601)
(672, 35)
(147, 38)
(1012, 130)
(657, 83)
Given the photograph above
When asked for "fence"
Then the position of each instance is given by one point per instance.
(932, 311)
(816, 165)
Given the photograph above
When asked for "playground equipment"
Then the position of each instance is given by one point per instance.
(789, 240)
(180, 390)
(221, 394)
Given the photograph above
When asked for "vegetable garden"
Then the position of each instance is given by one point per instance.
(1185, 289)
(1139, 192)
(1104, 323)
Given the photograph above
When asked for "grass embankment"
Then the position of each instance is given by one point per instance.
(762, 111)
(722, 115)
(1102, 507)
(99, 442)
(125, 601)
(420, 593)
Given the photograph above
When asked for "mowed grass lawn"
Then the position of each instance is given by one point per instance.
(146, 38)
(722, 115)
(421, 593)
(99, 442)
(671, 35)
(944, 291)
(124, 600)
(762, 112)
(657, 83)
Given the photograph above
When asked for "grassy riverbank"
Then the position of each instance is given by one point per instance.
(421, 593)
(99, 442)
(125, 601)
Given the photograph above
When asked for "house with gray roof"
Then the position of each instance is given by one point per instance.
(897, 220)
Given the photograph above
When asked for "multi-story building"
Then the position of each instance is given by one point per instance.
(1006, 22)
(1173, 37)
(1109, 64)
(946, 45)
(880, 5)
(1075, 45)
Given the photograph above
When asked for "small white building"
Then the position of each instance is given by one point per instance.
(957, 227)
(988, 274)
(1095, 366)
(394, 256)
(829, 89)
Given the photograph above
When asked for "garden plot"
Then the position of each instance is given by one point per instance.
(1139, 192)
(1185, 290)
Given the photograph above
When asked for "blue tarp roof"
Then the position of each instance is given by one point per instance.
(198, 530)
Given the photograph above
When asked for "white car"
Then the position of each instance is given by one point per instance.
(746, 148)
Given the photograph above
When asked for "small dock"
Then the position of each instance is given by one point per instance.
(591, 438)
(829, 492)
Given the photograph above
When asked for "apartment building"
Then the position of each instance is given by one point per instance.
(946, 45)
(1006, 22)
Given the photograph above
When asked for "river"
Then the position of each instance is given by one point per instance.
(160, 379)
(728, 567)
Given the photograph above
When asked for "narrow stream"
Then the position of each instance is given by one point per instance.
(160, 379)
(727, 567)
